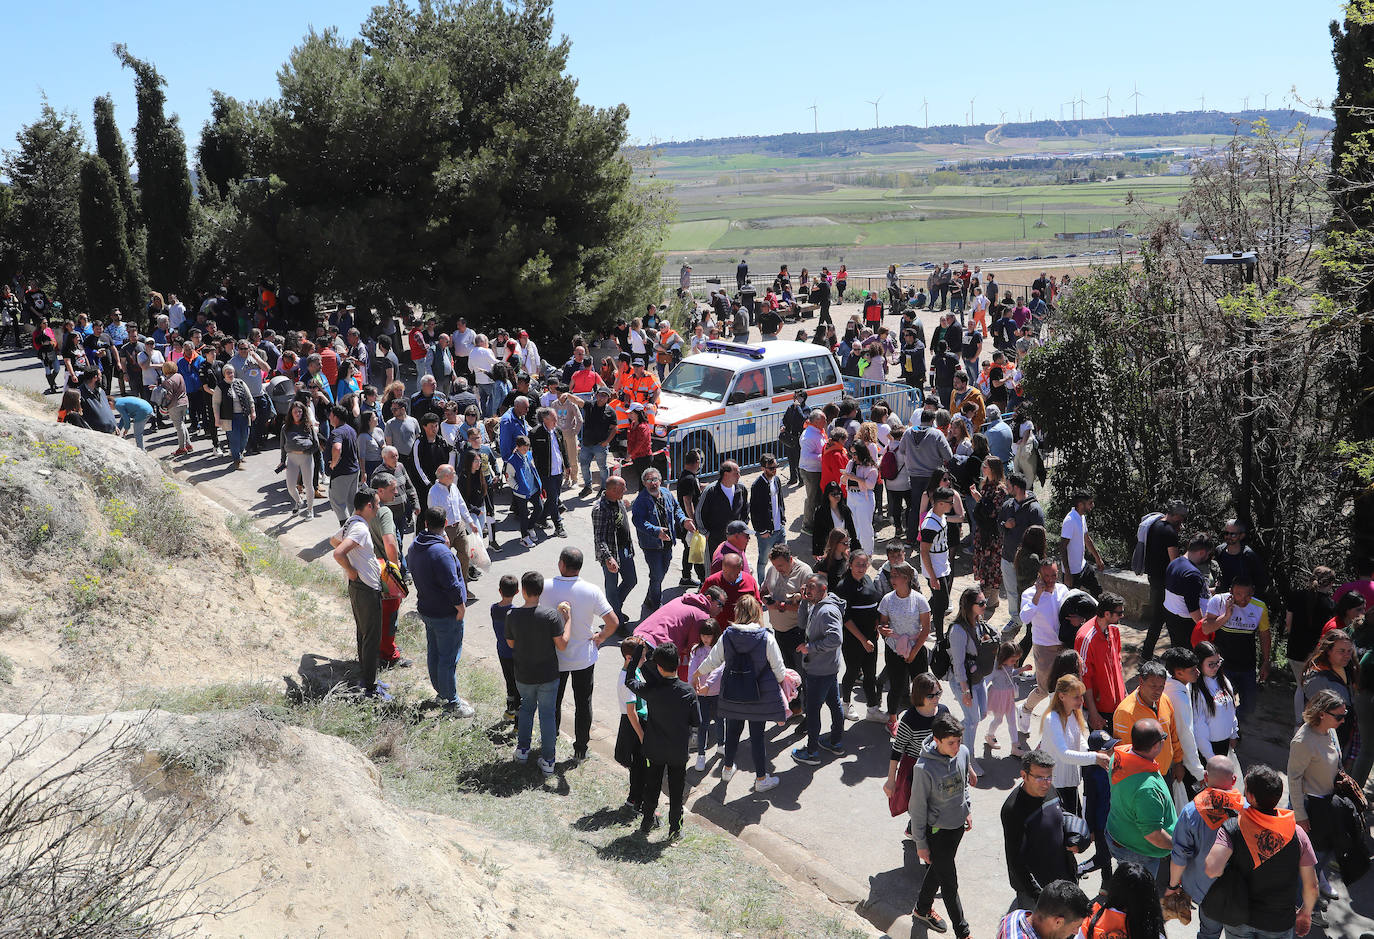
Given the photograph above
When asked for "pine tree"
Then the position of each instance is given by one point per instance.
(45, 227)
(111, 279)
(164, 180)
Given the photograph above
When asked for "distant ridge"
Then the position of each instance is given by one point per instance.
(906, 137)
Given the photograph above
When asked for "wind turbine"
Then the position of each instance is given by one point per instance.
(1107, 111)
(925, 109)
(1082, 106)
(1245, 103)
(1266, 101)
(1003, 118)
(875, 111)
(970, 109)
(1202, 101)
(815, 121)
(1135, 93)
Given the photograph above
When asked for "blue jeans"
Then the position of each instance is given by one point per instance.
(1208, 928)
(657, 563)
(709, 721)
(1247, 687)
(1251, 932)
(1123, 854)
(586, 454)
(485, 398)
(553, 500)
(544, 697)
(766, 543)
(444, 639)
(620, 583)
(137, 424)
(821, 692)
(733, 730)
(238, 436)
(973, 713)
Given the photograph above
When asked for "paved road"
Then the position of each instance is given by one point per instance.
(835, 812)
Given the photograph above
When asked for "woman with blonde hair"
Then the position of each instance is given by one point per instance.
(1063, 735)
(1314, 759)
(177, 404)
(748, 695)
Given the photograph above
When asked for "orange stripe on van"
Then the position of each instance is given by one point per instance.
(787, 396)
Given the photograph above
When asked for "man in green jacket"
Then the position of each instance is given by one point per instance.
(1141, 820)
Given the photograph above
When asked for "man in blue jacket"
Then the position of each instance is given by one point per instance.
(513, 425)
(657, 517)
(1196, 832)
(441, 602)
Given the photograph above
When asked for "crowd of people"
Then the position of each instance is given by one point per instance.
(759, 636)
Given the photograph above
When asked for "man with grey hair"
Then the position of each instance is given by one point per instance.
(658, 521)
(428, 400)
(458, 521)
(464, 397)
(551, 460)
(613, 541)
(999, 436)
(404, 502)
(812, 444)
(387, 546)
(513, 424)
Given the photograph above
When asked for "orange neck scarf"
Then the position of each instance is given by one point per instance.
(1215, 806)
(1127, 763)
(1266, 834)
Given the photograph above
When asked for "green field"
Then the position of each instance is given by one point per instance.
(819, 210)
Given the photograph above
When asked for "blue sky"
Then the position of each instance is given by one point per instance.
(714, 68)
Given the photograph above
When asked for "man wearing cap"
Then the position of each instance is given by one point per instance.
(357, 351)
(598, 430)
(419, 349)
(658, 521)
(642, 385)
(253, 369)
(736, 542)
(767, 511)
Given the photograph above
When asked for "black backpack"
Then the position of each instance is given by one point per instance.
(739, 682)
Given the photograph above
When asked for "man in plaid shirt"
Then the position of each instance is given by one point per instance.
(1058, 913)
(615, 548)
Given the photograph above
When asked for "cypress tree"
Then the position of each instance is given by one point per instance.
(111, 280)
(109, 144)
(164, 179)
(1348, 254)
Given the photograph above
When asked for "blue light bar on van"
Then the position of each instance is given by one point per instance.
(734, 348)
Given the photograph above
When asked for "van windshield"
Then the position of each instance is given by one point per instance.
(696, 380)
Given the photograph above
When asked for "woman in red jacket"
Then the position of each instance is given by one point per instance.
(638, 444)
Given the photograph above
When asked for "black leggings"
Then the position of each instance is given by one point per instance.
(898, 503)
(899, 674)
(859, 662)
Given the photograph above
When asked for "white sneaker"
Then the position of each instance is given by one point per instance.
(766, 783)
(701, 763)
(855, 712)
(727, 773)
(521, 755)
(877, 714)
(548, 768)
(976, 769)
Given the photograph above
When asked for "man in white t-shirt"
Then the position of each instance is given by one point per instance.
(353, 552)
(480, 362)
(1040, 611)
(935, 557)
(1076, 546)
(464, 341)
(578, 660)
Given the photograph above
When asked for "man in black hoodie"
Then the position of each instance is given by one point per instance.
(667, 731)
(723, 502)
(1033, 832)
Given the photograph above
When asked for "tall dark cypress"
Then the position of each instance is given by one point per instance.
(111, 279)
(164, 180)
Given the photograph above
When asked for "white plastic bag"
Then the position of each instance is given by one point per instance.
(477, 550)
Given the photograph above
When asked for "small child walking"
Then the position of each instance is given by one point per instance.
(508, 587)
(667, 732)
(1002, 693)
(629, 742)
(525, 487)
(707, 700)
